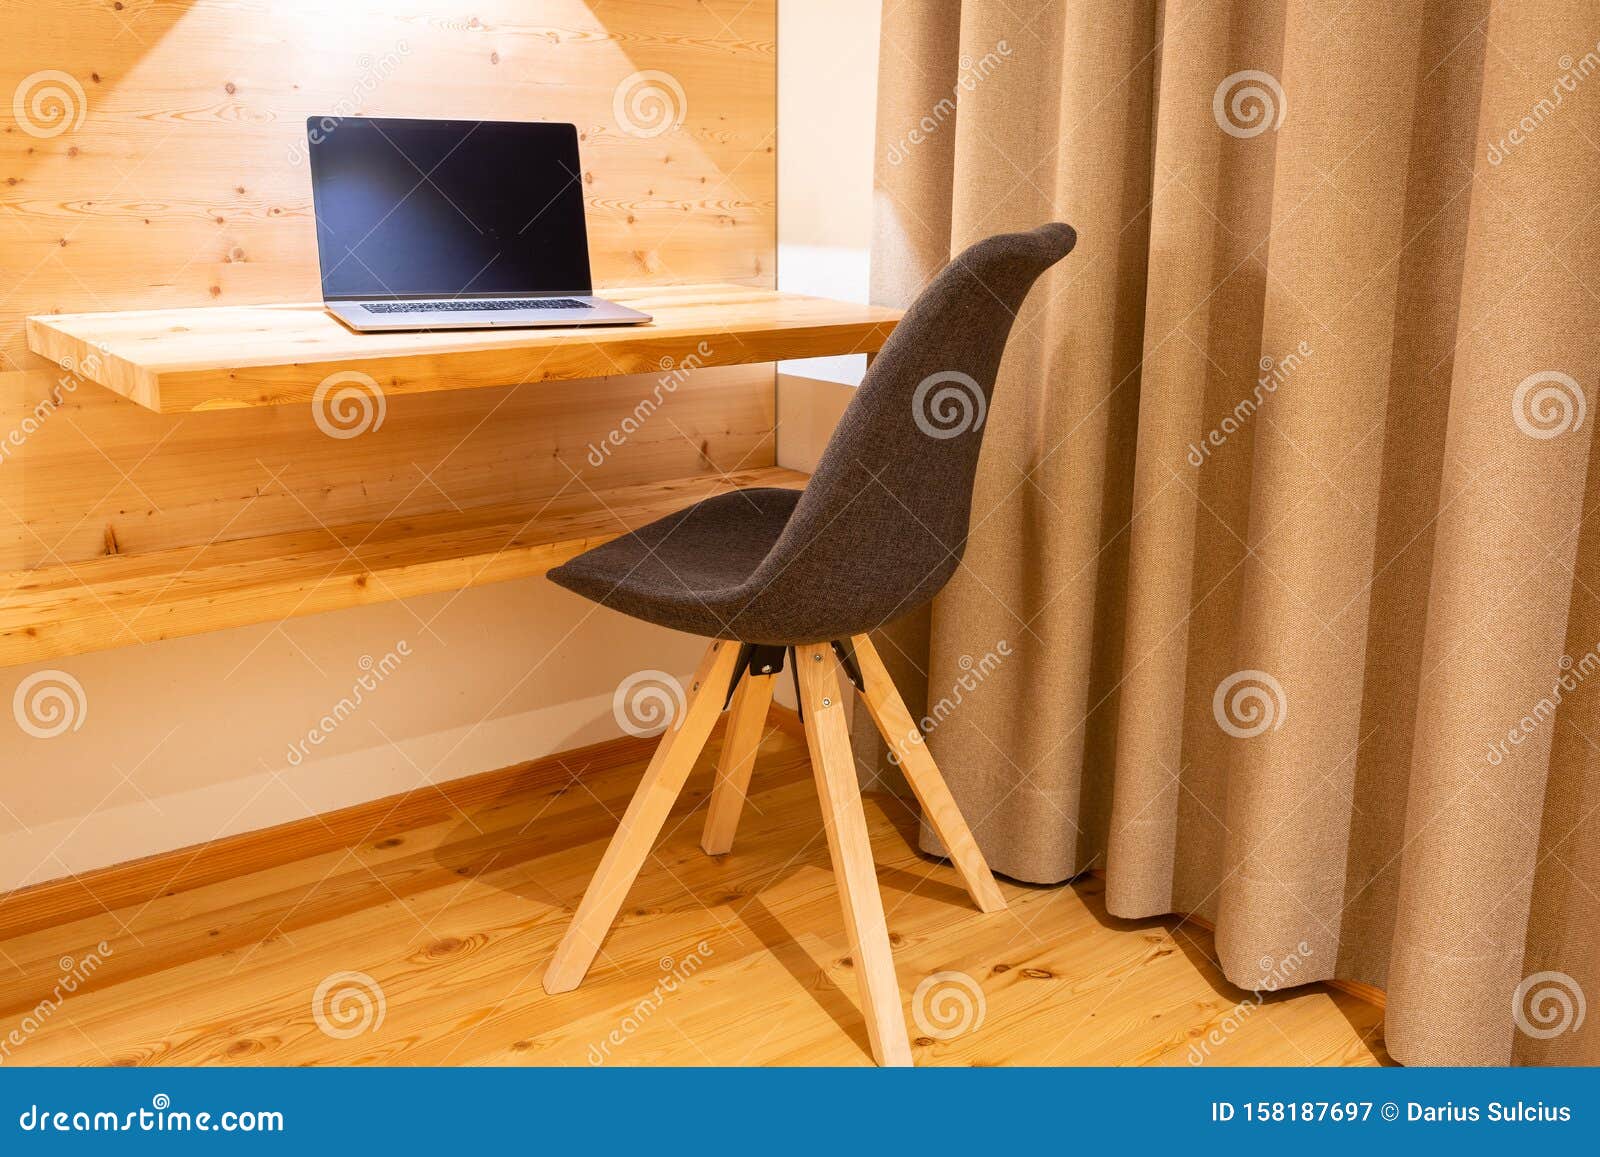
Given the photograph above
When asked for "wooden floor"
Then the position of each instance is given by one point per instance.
(427, 947)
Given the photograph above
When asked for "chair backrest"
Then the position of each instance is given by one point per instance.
(883, 522)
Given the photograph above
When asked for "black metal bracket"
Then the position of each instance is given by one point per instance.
(764, 659)
(847, 660)
(846, 655)
(754, 659)
(799, 699)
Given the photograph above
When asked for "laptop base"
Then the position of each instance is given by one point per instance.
(599, 312)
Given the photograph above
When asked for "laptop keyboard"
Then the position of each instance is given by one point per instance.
(473, 306)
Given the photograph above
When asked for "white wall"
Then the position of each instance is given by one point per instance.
(827, 103)
(194, 739)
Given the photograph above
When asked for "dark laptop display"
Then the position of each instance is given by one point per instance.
(422, 208)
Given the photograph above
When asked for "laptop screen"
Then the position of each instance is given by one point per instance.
(424, 208)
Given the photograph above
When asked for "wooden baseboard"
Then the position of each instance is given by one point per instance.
(57, 902)
(1370, 993)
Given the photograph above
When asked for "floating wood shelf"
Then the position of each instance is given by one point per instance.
(178, 360)
(121, 600)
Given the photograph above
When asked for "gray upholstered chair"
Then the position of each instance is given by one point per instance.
(773, 575)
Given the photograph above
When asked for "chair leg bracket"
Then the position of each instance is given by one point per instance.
(847, 660)
(754, 659)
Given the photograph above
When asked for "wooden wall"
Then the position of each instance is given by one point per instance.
(179, 178)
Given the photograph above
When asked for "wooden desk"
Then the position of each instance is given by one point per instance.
(178, 360)
(199, 359)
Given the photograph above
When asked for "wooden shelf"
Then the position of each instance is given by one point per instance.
(178, 360)
(121, 600)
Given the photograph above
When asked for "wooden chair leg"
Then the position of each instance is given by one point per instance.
(902, 734)
(747, 724)
(846, 824)
(680, 746)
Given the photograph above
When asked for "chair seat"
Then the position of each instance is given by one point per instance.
(692, 570)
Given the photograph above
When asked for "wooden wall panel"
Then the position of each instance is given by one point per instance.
(100, 466)
(184, 182)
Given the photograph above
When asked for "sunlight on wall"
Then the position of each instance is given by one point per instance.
(827, 98)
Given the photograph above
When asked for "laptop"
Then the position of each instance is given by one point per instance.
(435, 224)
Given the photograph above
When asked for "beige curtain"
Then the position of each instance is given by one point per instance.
(1282, 516)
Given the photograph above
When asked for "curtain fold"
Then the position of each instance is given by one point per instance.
(1280, 600)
